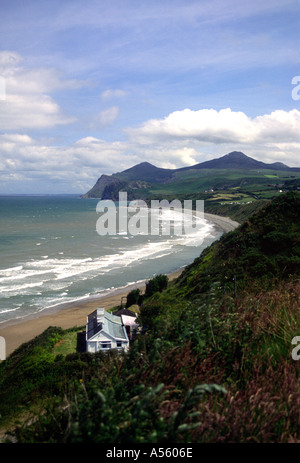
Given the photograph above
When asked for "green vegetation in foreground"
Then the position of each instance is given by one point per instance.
(214, 365)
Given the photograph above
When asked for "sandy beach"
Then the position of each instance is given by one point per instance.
(18, 331)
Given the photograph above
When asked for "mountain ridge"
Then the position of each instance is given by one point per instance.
(145, 174)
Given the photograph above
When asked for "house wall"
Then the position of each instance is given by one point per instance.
(95, 344)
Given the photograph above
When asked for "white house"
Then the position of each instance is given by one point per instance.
(105, 331)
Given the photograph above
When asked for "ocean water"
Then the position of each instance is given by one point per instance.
(51, 253)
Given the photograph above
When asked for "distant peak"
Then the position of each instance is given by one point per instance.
(145, 163)
(279, 164)
(237, 155)
(141, 165)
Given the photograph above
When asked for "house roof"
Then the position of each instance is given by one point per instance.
(93, 328)
(127, 312)
(128, 321)
(109, 324)
(113, 326)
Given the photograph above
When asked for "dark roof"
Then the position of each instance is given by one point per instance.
(93, 327)
(127, 312)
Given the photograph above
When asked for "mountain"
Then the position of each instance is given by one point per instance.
(238, 160)
(135, 177)
(145, 176)
(147, 172)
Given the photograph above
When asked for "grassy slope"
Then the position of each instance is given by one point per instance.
(250, 184)
(265, 246)
(235, 193)
(238, 212)
(198, 333)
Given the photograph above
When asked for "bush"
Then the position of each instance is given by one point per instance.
(149, 312)
(157, 284)
(134, 297)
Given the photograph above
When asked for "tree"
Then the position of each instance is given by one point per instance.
(156, 284)
(134, 297)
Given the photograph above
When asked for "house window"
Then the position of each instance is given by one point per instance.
(119, 344)
(105, 345)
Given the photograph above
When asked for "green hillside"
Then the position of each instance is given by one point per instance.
(213, 365)
(242, 185)
(231, 180)
(265, 246)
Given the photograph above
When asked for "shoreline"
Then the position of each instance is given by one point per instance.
(71, 314)
(74, 313)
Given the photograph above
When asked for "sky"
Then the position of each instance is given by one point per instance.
(94, 87)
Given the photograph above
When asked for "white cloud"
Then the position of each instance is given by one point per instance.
(31, 112)
(182, 138)
(75, 166)
(28, 103)
(108, 157)
(186, 137)
(224, 126)
(104, 118)
(108, 116)
(205, 125)
(279, 126)
(113, 93)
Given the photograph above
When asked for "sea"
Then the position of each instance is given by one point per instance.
(51, 253)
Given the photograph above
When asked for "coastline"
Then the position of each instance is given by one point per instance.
(69, 315)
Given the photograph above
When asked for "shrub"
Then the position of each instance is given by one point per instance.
(133, 297)
(157, 284)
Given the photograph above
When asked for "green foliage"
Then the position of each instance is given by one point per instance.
(27, 371)
(156, 284)
(133, 297)
(68, 343)
(96, 416)
(214, 365)
(149, 312)
(265, 246)
(239, 212)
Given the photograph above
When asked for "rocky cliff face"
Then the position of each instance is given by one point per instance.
(102, 183)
